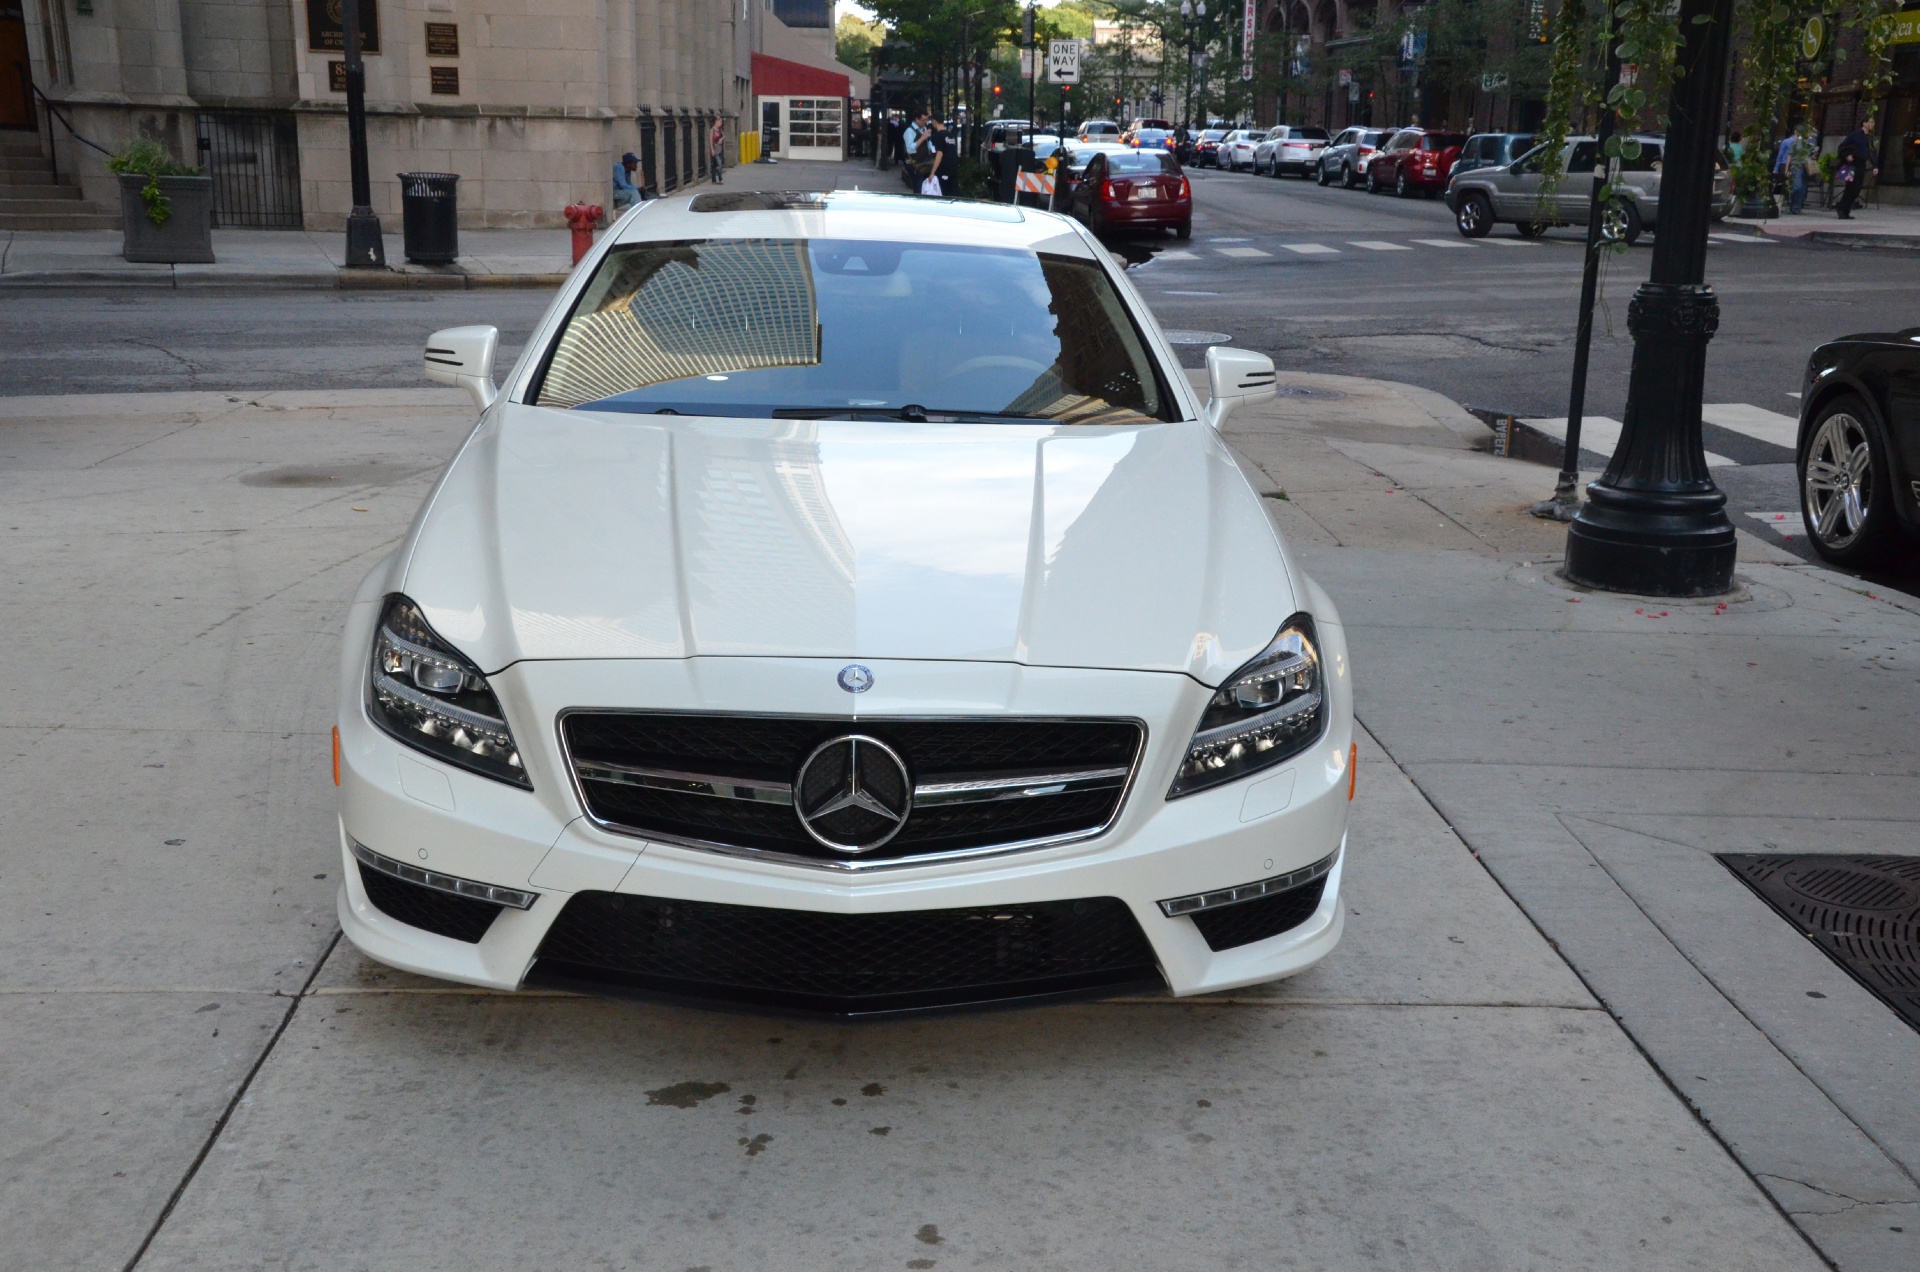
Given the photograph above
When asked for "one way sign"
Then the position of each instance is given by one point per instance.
(1063, 61)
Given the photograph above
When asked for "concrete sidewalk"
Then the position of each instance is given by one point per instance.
(279, 259)
(200, 1075)
(1888, 226)
(1595, 751)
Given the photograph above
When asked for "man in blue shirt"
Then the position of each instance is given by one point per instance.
(625, 192)
(1790, 163)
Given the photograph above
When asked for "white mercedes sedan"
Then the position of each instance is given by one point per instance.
(845, 606)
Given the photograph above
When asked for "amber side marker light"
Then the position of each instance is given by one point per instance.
(336, 760)
(1353, 765)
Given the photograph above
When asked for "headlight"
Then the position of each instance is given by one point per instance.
(1270, 710)
(425, 694)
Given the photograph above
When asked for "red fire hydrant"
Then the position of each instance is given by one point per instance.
(582, 217)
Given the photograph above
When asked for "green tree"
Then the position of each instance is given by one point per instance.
(854, 41)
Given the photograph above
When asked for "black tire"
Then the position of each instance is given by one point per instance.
(1347, 180)
(1400, 186)
(1475, 216)
(1631, 226)
(1320, 177)
(1183, 231)
(1373, 186)
(1848, 512)
(1530, 229)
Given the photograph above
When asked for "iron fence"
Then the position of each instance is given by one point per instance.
(254, 160)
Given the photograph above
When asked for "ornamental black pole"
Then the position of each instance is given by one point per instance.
(1655, 523)
(365, 247)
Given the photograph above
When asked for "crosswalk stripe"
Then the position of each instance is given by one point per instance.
(1601, 435)
(1311, 249)
(1376, 245)
(1179, 256)
(1756, 422)
(1740, 238)
(1507, 242)
(1444, 242)
(1241, 251)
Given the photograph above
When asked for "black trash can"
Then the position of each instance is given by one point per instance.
(429, 217)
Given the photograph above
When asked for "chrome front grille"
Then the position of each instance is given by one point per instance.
(943, 787)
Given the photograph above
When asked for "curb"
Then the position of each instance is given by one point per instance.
(1870, 242)
(304, 280)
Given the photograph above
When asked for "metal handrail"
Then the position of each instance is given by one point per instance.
(53, 113)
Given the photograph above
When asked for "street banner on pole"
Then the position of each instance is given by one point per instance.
(1246, 42)
(1063, 61)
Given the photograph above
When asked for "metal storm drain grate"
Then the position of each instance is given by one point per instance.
(1863, 911)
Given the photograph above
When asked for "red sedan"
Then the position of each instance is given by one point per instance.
(1134, 189)
(1415, 160)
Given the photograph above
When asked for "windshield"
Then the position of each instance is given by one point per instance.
(845, 328)
(1143, 161)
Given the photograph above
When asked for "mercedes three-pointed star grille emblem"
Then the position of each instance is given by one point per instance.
(853, 794)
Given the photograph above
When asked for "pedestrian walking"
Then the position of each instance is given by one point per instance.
(717, 151)
(1790, 163)
(1856, 159)
(626, 192)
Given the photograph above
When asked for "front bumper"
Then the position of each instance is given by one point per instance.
(410, 808)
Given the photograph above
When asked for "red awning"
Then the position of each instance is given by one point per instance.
(777, 77)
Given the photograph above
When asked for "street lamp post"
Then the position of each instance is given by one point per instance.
(365, 247)
(1655, 523)
(1190, 13)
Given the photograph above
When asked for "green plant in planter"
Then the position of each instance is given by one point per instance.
(145, 157)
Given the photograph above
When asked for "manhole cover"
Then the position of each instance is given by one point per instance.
(1302, 391)
(1863, 911)
(1197, 337)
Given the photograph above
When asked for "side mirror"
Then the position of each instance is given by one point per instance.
(463, 356)
(1235, 376)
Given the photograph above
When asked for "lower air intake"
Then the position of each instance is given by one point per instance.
(429, 909)
(1245, 922)
(846, 965)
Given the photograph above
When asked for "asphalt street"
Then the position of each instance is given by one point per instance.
(1323, 279)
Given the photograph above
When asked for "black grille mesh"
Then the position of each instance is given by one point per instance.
(1245, 922)
(772, 749)
(462, 918)
(845, 964)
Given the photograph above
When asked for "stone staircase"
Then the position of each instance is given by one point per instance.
(30, 199)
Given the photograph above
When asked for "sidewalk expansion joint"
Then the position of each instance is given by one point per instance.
(226, 1114)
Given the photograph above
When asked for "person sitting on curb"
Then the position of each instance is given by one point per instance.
(625, 192)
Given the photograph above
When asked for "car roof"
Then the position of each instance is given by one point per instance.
(847, 214)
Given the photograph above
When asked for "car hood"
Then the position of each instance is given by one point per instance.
(571, 534)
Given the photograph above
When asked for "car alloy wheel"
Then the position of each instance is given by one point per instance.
(1400, 186)
(1320, 176)
(1373, 184)
(1347, 180)
(1475, 217)
(1844, 486)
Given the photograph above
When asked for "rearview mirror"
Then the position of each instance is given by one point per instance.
(463, 356)
(1235, 376)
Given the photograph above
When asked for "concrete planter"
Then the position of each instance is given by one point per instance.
(186, 238)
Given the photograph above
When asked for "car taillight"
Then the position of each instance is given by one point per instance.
(1183, 190)
(1110, 190)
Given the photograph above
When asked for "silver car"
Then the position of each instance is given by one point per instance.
(1484, 197)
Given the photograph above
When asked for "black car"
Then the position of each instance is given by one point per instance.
(1859, 453)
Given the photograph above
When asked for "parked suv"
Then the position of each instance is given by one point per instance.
(1414, 161)
(1486, 196)
(1289, 148)
(1345, 157)
(1099, 130)
(1492, 150)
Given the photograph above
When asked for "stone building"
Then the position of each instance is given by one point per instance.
(531, 102)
